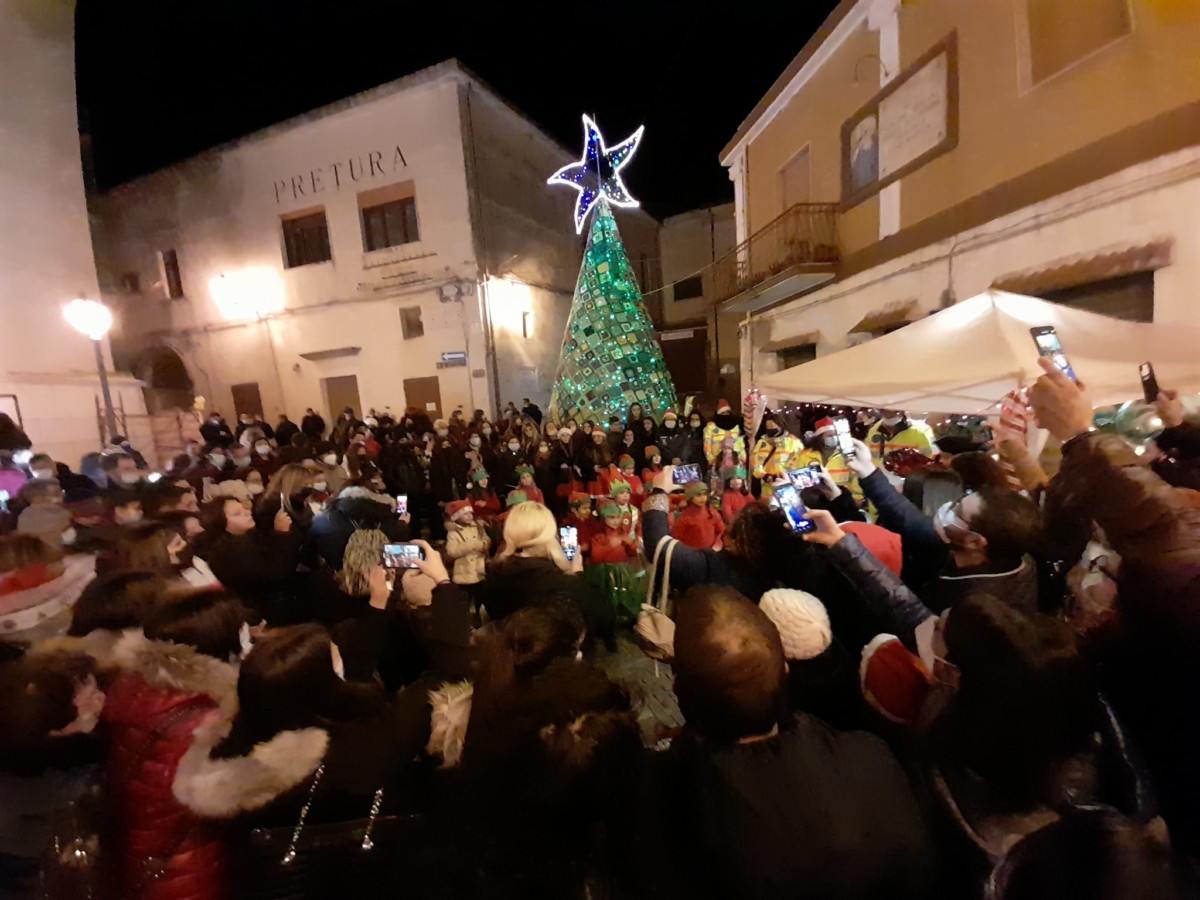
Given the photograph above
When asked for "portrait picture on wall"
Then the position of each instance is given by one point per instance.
(911, 121)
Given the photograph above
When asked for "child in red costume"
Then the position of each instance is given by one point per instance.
(483, 499)
(585, 523)
(525, 484)
(736, 497)
(609, 569)
(653, 464)
(622, 494)
(698, 525)
(636, 488)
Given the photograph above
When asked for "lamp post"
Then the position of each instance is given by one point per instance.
(93, 319)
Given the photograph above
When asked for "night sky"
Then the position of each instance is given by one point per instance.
(161, 80)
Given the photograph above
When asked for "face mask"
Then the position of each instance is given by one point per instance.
(217, 460)
(891, 421)
(946, 517)
(254, 489)
(669, 424)
(830, 442)
(263, 451)
(319, 486)
(44, 474)
(487, 431)
(329, 459)
(514, 446)
(695, 423)
(68, 537)
(476, 441)
(772, 430)
(242, 462)
(130, 478)
(244, 639)
(442, 432)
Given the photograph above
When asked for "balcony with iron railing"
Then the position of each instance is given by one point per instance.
(791, 254)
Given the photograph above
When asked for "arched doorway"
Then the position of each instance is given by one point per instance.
(168, 386)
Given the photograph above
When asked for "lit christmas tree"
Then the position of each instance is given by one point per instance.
(611, 357)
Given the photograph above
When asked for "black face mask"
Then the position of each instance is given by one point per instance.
(185, 557)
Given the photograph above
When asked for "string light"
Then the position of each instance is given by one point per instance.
(597, 175)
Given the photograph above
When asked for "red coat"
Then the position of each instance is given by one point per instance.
(162, 851)
(486, 504)
(732, 503)
(648, 474)
(698, 526)
(612, 545)
(532, 493)
(638, 492)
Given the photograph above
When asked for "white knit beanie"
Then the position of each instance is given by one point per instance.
(802, 622)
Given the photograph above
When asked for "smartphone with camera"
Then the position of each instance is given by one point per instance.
(401, 556)
(685, 474)
(793, 508)
(1149, 382)
(568, 539)
(804, 478)
(401, 505)
(1050, 347)
(845, 440)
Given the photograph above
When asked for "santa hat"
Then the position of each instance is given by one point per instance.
(669, 414)
(802, 622)
(619, 486)
(825, 426)
(652, 452)
(625, 460)
(524, 470)
(723, 406)
(885, 545)
(515, 498)
(578, 497)
(695, 488)
(478, 475)
(564, 430)
(894, 681)
(608, 509)
(457, 508)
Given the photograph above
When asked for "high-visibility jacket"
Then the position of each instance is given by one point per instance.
(774, 457)
(917, 436)
(714, 438)
(836, 466)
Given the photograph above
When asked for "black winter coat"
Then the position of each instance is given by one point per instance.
(313, 426)
(516, 581)
(285, 432)
(355, 508)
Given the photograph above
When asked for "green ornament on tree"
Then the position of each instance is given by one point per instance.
(611, 357)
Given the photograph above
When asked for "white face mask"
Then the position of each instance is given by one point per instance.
(44, 474)
(514, 446)
(130, 478)
(254, 489)
(263, 450)
(217, 460)
(476, 440)
(669, 424)
(242, 462)
(487, 431)
(329, 459)
(68, 537)
(244, 639)
(830, 441)
(891, 421)
(319, 486)
(442, 432)
(946, 517)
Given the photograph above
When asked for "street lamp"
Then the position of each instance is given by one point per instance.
(93, 319)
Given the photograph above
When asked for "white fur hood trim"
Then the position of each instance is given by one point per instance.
(223, 788)
(177, 667)
(99, 645)
(448, 721)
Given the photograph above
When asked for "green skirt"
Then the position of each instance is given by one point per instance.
(621, 584)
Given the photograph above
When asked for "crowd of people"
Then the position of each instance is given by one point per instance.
(960, 678)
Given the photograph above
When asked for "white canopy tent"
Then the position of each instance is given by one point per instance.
(965, 358)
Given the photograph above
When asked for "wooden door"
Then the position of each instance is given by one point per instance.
(247, 400)
(686, 354)
(795, 180)
(341, 391)
(424, 394)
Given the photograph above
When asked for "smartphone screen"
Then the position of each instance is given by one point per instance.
(1149, 382)
(568, 538)
(401, 556)
(793, 507)
(686, 474)
(402, 504)
(1050, 347)
(804, 478)
(845, 439)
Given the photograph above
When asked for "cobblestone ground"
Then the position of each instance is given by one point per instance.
(649, 684)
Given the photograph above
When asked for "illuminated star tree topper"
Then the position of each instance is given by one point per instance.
(598, 172)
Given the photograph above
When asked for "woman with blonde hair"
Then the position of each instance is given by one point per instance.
(531, 566)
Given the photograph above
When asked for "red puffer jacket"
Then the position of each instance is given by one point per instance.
(163, 852)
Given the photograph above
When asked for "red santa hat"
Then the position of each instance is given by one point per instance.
(801, 620)
(894, 681)
(885, 545)
(723, 406)
(669, 414)
(456, 509)
(825, 426)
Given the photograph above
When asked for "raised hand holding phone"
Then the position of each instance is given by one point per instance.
(1060, 404)
(825, 528)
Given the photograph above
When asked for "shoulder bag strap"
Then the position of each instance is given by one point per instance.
(658, 599)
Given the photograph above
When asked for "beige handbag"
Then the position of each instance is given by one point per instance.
(654, 626)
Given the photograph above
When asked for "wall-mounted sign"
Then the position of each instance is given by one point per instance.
(911, 121)
(451, 359)
(343, 171)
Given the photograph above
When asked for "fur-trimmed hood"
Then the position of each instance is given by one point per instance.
(224, 788)
(177, 667)
(100, 645)
(448, 719)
